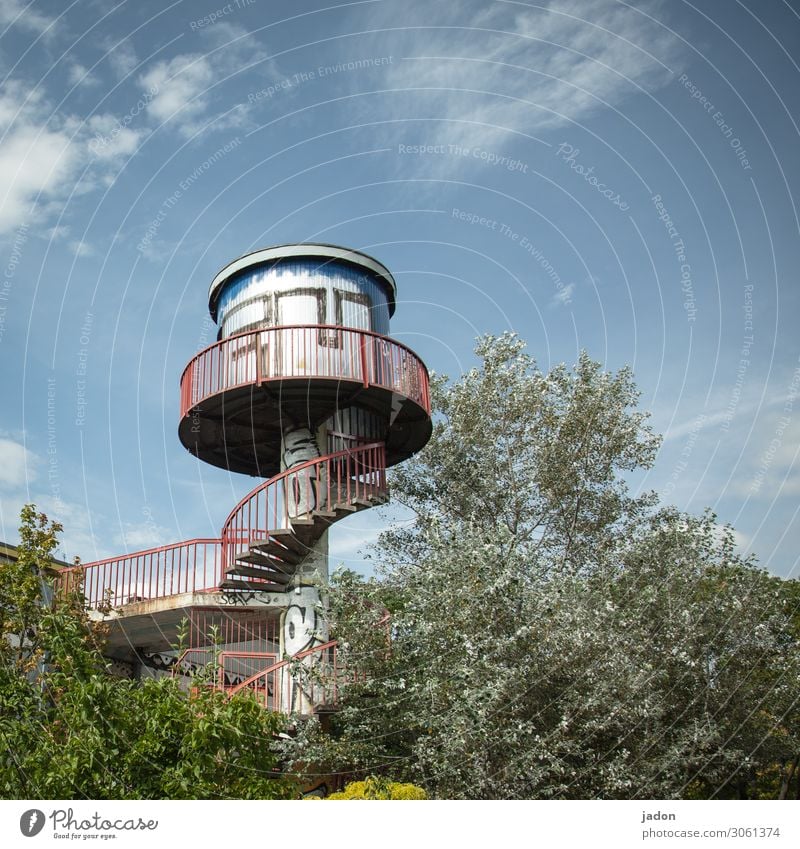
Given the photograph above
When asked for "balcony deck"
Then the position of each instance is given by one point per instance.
(236, 395)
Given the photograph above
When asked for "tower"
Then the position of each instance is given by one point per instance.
(304, 389)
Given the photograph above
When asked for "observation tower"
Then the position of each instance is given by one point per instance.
(305, 390)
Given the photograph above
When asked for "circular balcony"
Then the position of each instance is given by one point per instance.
(238, 394)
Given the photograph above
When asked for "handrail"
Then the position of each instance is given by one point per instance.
(276, 687)
(281, 664)
(154, 549)
(200, 564)
(380, 336)
(193, 565)
(315, 485)
(266, 354)
(345, 452)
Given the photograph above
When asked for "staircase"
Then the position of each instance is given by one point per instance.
(268, 535)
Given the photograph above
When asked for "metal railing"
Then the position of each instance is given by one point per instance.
(274, 687)
(181, 567)
(304, 351)
(316, 485)
(200, 564)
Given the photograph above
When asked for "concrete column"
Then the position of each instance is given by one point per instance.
(304, 625)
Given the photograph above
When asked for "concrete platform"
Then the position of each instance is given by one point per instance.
(152, 625)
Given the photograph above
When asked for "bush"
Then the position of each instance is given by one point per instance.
(379, 788)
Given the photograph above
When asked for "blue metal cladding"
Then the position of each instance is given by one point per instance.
(303, 291)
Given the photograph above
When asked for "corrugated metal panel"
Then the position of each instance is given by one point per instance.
(346, 297)
(247, 315)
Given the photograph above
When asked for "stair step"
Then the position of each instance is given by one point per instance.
(324, 519)
(344, 508)
(300, 523)
(307, 532)
(241, 570)
(279, 551)
(232, 584)
(286, 537)
(325, 514)
(257, 559)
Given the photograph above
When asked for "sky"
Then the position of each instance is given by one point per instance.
(614, 177)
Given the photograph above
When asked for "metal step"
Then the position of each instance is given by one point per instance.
(286, 537)
(258, 587)
(241, 570)
(279, 551)
(256, 559)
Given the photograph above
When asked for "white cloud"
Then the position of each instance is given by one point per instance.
(34, 164)
(61, 231)
(143, 535)
(22, 14)
(182, 85)
(17, 464)
(536, 68)
(563, 297)
(353, 539)
(122, 57)
(729, 407)
(37, 156)
(43, 150)
(179, 83)
(78, 539)
(79, 75)
(111, 139)
(81, 248)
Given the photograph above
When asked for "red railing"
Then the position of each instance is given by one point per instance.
(200, 564)
(319, 680)
(317, 485)
(181, 567)
(307, 351)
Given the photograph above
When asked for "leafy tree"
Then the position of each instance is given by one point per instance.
(554, 635)
(70, 730)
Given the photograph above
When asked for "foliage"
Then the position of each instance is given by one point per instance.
(71, 730)
(375, 787)
(554, 635)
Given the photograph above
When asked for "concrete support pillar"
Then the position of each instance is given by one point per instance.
(304, 624)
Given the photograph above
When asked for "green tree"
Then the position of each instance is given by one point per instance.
(554, 635)
(71, 730)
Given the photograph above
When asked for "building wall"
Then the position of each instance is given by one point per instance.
(303, 291)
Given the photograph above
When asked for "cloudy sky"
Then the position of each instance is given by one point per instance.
(600, 175)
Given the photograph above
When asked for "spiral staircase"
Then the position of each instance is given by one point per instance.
(359, 400)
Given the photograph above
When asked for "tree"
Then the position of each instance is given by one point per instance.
(70, 730)
(553, 635)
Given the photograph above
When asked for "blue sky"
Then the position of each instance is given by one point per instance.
(618, 177)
